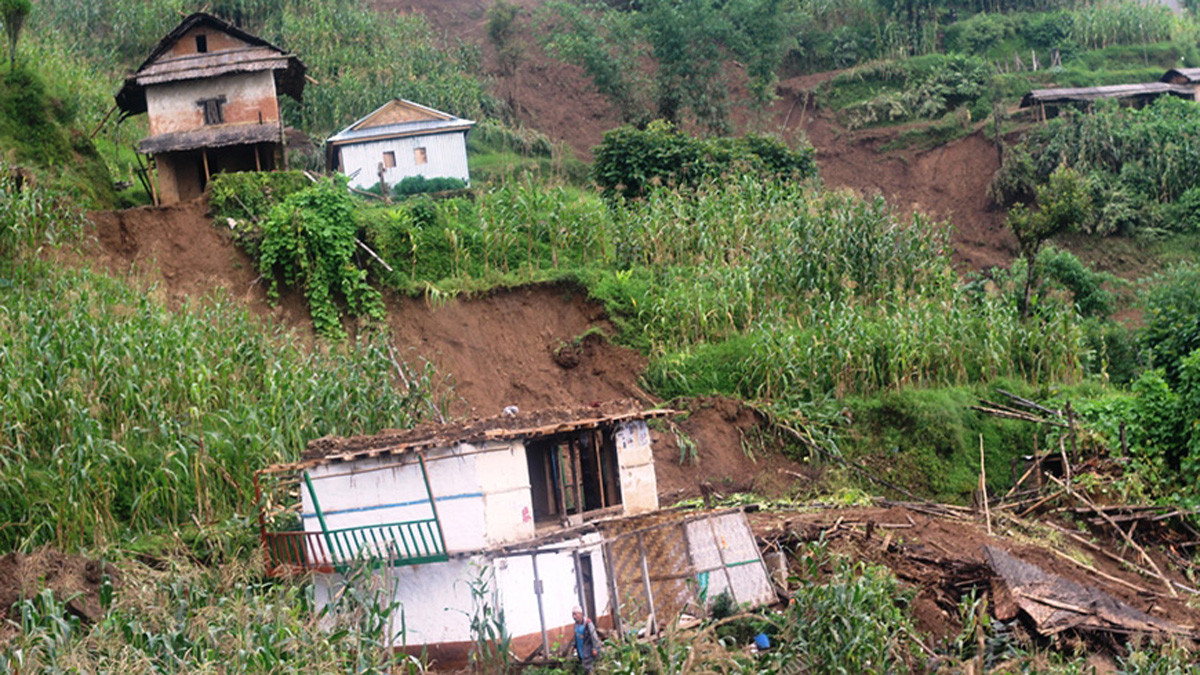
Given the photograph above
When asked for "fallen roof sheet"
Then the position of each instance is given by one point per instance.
(500, 427)
(1118, 91)
(1056, 604)
(211, 137)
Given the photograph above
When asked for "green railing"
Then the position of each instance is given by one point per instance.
(413, 542)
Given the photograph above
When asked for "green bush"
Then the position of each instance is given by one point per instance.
(309, 243)
(1171, 319)
(1138, 164)
(250, 195)
(414, 185)
(630, 161)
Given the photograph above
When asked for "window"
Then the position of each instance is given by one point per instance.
(211, 108)
(572, 475)
(389, 159)
(419, 156)
(201, 44)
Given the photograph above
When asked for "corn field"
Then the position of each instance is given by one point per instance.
(769, 291)
(119, 416)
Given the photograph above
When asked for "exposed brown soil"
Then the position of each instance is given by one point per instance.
(73, 580)
(724, 460)
(522, 347)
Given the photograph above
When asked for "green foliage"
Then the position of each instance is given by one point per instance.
(415, 185)
(502, 34)
(925, 87)
(687, 42)
(309, 243)
(1087, 287)
(191, 619)
(13, 13)
(250, 195)
(31, 217)
(846, 617)
(928, 439)
(769, 291)
(1137, 165)
(353, 52)
(121, 416)
(630, 161)
(1171, 319)
(37, 132)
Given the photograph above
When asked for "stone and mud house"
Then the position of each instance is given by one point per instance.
(398, 140)
(210, 91)
(544, 510)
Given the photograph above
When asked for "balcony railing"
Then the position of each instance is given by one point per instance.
(396, 544)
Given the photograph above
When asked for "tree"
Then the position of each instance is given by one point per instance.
(14, 12)
(1063, 203)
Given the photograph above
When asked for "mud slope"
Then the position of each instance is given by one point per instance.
(533, 347)
(521, 347)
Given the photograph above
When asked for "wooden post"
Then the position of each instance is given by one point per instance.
(257, 160)
(652, 618)
(987, 510)
(204, 154)
(614, 598)
(599, 472)
(537, 590)
(432, 501)
(574, 449)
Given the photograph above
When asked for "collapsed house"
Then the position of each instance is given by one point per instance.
(401, 139)
(210, 91)
(548, 510)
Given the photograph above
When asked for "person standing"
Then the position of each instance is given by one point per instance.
(587, 640)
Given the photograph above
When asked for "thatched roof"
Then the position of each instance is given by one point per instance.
(1117, 91)
(256, 55)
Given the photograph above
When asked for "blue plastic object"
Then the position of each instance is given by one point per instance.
(762, 642)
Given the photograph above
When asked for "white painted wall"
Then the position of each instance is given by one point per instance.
(635, 461)
(437, 599)
(446, 154)
(507, 500)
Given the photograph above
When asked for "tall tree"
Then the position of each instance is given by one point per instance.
(13, 12)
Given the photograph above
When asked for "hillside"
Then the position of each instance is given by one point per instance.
(957, 443)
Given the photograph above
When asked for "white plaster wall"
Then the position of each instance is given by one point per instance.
(446, 154)
(435, 598)
(437, 602)
(560, 590)
(172, 106)
(398, 494)
(507, 500)
(635, 461)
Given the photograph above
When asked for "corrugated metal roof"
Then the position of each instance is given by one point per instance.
(440, 122)
(1083, 94)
